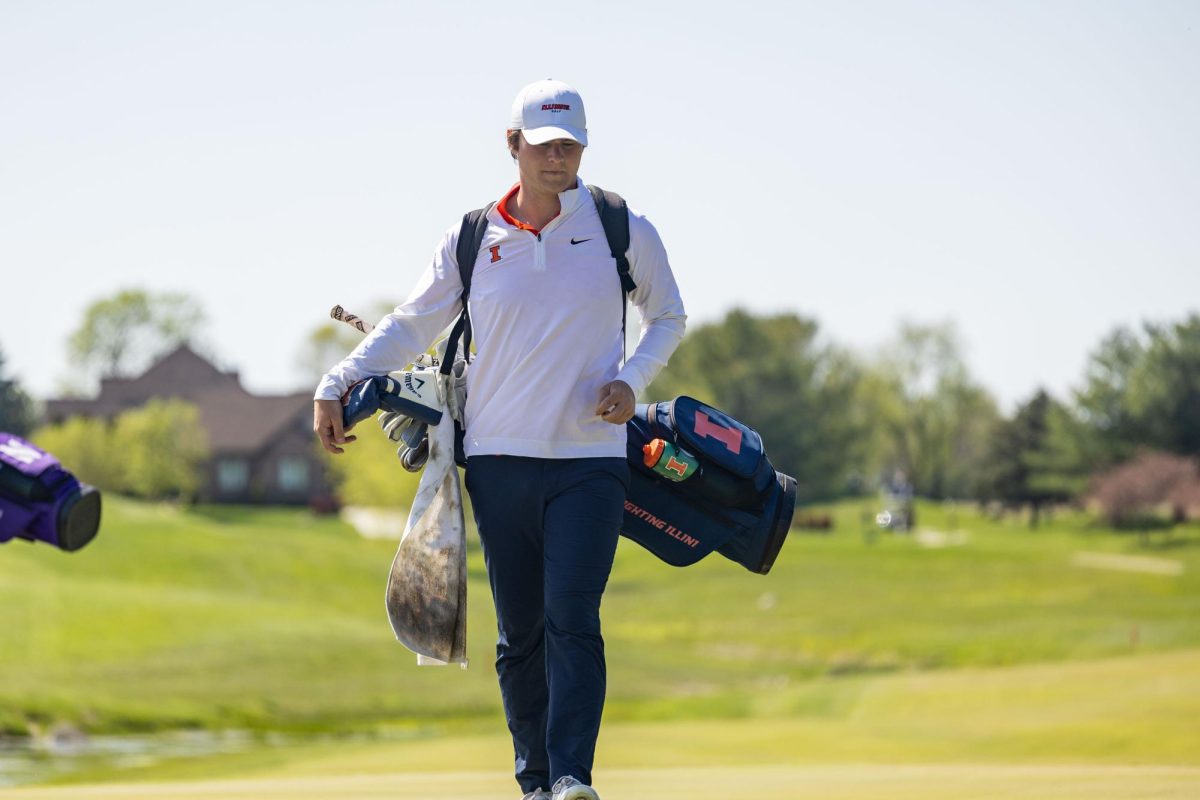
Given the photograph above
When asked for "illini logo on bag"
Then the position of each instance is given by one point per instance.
(731, 438)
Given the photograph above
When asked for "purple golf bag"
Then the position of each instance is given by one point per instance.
(713, 488)
(41, 501)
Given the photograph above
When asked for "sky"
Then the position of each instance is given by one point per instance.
(1027, 171)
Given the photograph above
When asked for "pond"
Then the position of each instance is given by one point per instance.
(62, 752)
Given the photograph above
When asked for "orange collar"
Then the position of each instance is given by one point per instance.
(502, 207)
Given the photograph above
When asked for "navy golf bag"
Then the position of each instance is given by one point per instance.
(701, 481)
(41, 501)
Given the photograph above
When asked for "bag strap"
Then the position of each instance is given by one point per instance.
(470, 239)
(614, 217)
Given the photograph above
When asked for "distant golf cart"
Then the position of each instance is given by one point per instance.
(897, 512)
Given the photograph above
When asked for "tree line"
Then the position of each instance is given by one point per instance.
(840, 422)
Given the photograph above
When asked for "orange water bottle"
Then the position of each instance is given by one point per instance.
(669, 461)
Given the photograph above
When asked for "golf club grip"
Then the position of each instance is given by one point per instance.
(356, 322)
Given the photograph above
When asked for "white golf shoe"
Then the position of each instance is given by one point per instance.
(538, 794)
(567, 788)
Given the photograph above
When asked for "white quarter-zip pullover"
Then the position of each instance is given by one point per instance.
(546, 311)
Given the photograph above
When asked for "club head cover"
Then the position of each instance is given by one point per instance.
(412, 394)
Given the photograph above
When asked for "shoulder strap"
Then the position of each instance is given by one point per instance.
(614, 216)
(470, 239)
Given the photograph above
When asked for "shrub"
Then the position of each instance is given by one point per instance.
(1154, 487)
(155, 452)
(85, 447)
(162, 447)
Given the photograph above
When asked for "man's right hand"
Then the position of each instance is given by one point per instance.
(327, 424)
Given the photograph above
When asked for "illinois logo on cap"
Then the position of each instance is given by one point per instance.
(547, 110)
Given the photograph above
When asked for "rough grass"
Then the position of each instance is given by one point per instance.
(273, 619)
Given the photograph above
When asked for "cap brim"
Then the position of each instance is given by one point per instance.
(549, 133)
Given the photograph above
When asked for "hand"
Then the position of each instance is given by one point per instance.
(616, 403)
(327, 424)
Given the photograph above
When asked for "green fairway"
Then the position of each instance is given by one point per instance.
(869, 782)
(274, 619)
(1134, 710)
(977, 642)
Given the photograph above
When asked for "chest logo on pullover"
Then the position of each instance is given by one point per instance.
(495, 251)
(579, 241)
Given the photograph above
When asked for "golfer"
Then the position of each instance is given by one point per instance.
(547, 403)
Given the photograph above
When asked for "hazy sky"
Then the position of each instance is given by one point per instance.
(1029, 170)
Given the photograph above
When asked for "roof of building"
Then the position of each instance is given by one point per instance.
(236, 420)
(239, 422)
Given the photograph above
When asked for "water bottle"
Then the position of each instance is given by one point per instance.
(670, 461)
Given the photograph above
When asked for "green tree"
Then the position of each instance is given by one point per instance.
(1103, 402)
(1164, 393)
(1020, 466)
(776, 375)
(162, 448)
(1142, 390)
(85, 446)
(123, 333)
(16, 409)
(932, 421)
(1063, 466)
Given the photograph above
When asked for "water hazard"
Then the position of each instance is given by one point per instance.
(63, 752)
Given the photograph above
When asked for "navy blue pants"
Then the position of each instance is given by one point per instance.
(549, 531)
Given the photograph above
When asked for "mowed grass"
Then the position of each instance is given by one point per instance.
(866, 782)
(1111, 728)
(977, 659)
(219, 618)
(273, 619)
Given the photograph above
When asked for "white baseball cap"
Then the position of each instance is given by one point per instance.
(549, 109)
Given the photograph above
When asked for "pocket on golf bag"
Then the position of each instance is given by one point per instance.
(734, 502)
(735, 470)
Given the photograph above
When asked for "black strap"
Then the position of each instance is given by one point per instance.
(614, 217)
(470, 239)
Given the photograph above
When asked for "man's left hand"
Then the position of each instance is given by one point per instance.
(616, 403)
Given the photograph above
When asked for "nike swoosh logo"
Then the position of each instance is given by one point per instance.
(579, 241)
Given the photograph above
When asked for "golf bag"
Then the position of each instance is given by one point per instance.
(701, 481)
(41, 501)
